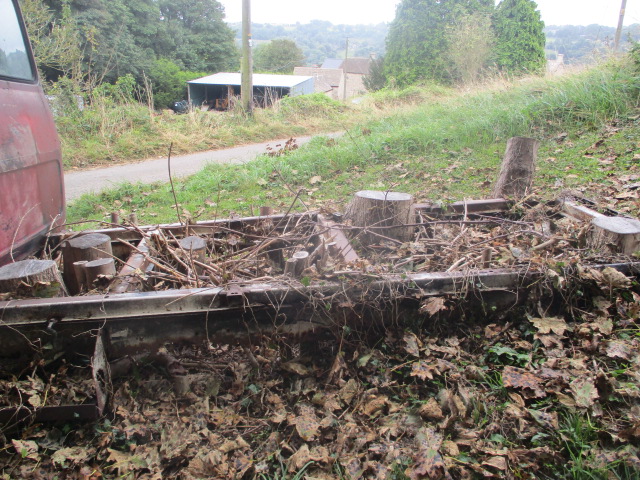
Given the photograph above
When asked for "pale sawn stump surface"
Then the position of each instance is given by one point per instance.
(518, 168)
(389, 214)
(88, 247)
(30, 272)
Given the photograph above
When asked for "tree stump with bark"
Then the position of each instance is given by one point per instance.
(615, 235)
(39, 278)
(518, 167)
(88, 247)
(101, 266)
(193, 249)
(295, 265)
(383, 215)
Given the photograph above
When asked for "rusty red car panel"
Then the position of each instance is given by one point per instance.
(31, 176)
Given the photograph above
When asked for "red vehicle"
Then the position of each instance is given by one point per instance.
(31, 176)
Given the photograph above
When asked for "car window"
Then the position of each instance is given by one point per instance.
(14, 54)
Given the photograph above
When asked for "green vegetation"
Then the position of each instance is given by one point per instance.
(427, 141)
(520, 37)
(278, 56)
(585, 44)
(320, 39)
(418, 44)
(116, 127)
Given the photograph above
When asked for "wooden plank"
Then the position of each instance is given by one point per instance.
(137, 262)
(178, 229)
(335, 234)
(580, 212)
(492, 205)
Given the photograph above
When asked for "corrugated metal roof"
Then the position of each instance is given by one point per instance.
(325, 78)
(332, 63)
(259, 80)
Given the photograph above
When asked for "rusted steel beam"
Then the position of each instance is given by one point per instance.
(198, 228)
(335, 234)
(211, 301)
(136, 323)
(12, 417)
(137, 262)
(493, 205)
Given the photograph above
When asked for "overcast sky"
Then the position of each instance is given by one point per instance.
(554, 12)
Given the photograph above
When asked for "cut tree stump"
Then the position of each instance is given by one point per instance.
(615, 234)
(518, 167)
(95, 268)
(193, 249)
(34, 273)
(295, 265)
(88, 247)
(81, 275)
(387, 215)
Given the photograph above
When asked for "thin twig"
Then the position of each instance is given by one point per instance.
(173, 190)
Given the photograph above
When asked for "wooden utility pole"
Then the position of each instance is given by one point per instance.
(344, 68)
(247, 60)
(620, 23)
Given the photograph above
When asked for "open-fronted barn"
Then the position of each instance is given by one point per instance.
(218, 91)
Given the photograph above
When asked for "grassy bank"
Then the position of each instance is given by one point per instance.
(430, 143)
(117, 130)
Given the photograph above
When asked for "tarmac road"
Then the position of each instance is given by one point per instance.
(155, 169)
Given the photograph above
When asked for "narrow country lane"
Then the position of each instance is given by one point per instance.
(155, 170)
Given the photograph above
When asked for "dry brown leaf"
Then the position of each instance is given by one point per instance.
(75, 455)
(412, 344)
(423, 370)
(615, 279)
(300, 458)
(450, 448)
(307, 424)
(550, 324)
(348, 391)
(428, 463)
(544, 419)
(566, 400)
(619, 349)
(499, 463)
(295, 367)
(584, 391)
(519, 378)
(26, 448)
(374, 405)
(315, 179)
(431, 410)
(433, 305)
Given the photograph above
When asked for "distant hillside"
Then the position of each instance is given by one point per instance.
(320, 39)
(581, 44)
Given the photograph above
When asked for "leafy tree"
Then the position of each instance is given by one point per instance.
(193, 33)
(376, 79)
(278, 56)
(418, 44)
(169, 83)
(470, 42)
(116, 36)
(55, 42)
(520, 38)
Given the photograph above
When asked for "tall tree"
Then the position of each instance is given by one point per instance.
(471, 44)
(418, 42)
(278, 56)
(520, 37)
(55, 41)
(194, 33)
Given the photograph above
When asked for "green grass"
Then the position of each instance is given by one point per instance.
(437, 146)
